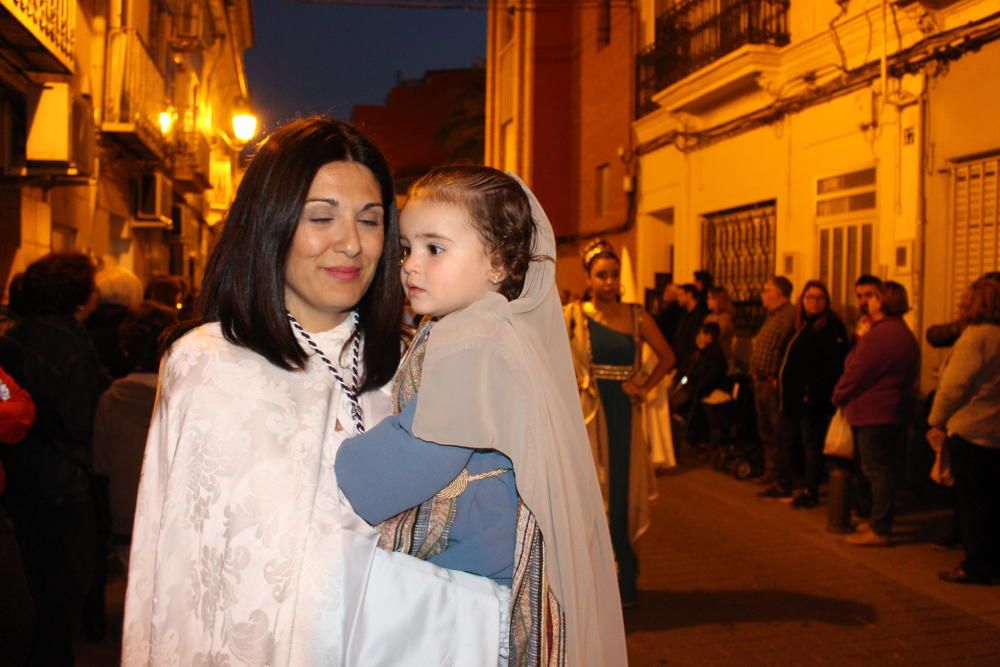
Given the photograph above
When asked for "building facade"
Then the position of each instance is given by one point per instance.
(559, 104)
(426, 122)
(115, 135)
(820, 140)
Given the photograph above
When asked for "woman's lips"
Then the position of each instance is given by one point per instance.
(343, 272)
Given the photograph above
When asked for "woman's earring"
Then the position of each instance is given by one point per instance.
(496, 278)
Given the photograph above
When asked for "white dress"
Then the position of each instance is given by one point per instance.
(245, 553)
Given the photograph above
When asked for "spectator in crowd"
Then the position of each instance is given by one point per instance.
(704, 372)
(670, 312)
(864, 290)
(17, 611)
(49, 493)
(10, 313)
(813, 362)
(703, 282)
(945, 335)
(966, 413)
(118, 290)
(170, 291)
(693, 315)
(877, 394)
(123, 415)
(765, 360)
(721, 311)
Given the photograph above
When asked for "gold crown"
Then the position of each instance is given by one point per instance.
(599, 246)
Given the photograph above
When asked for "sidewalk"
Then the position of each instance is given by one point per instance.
(729, 579)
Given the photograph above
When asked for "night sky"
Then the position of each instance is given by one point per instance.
(322, 58)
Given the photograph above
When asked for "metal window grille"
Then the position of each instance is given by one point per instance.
(738, 247)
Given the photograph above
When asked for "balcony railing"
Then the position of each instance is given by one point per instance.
(41, 33)
(192, 163)
(136, 95)
(694, 33)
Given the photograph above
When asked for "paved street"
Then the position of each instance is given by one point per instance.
(728, 579)
(731, 580)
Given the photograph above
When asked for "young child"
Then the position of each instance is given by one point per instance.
(485, 465)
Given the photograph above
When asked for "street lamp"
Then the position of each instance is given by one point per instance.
(244, 126)
(166, 120)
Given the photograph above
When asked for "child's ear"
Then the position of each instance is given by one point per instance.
(497, 274)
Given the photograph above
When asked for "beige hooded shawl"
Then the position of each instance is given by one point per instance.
(509, 364)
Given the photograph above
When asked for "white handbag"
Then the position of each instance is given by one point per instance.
(839, 438)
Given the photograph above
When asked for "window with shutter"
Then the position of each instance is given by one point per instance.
(975, 240)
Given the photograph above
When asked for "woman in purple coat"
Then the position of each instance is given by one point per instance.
(876, 392)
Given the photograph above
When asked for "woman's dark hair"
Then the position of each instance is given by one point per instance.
(244, 286)
(895, 302)
(141, 333)
(712, 329)
(820, 320)
(57, 284)
(500, 212)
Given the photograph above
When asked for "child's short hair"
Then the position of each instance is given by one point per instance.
(712, 329)
(499, 210)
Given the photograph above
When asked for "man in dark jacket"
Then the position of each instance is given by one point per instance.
(683, 342)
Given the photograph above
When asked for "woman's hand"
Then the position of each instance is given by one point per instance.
(937, 437)
(632, 390)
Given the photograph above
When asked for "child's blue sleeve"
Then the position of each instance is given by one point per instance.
(387, 469)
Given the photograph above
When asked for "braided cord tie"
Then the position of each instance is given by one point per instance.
(350, 391)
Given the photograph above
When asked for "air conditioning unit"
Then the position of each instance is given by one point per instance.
(154, 201)
(61, 137)
(188, 28)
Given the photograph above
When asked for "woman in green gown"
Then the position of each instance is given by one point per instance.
(606, 338)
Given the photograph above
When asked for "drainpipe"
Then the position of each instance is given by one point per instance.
(884, 68)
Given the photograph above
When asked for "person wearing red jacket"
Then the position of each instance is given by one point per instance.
(17, 611)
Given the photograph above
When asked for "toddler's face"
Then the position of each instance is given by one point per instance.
(445, 266)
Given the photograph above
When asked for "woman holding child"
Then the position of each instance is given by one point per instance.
(244, 551)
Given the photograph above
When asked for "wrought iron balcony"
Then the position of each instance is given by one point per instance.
(39, 33)
(192, 163)
(135, 96)
(694, 33)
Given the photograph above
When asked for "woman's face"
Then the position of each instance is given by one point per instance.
(604, 279)
(814, 301)
(337, 245)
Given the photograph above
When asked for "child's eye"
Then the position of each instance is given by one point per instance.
(435, 249)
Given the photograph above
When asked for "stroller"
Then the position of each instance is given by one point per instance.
(732, 432)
